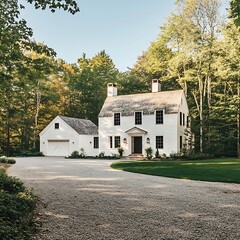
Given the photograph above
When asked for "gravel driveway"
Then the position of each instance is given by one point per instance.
(86, 199)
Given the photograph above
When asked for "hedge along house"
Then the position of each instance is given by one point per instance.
(135, 122)
(63, 135)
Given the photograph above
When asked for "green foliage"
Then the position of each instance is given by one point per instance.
(120, 151)
(214, 170)
(74, 154)
(149, 152)
(67, 5)
(7, 160)
(191, 156)
(157, 155)
(10, 184)
(101, 155)
(16, 209)
(82, 153)
(28, 153)
(234, 11)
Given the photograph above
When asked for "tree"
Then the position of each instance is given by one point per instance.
(234, 11)
(88, 85)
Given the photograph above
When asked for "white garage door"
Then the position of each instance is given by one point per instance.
(58, 148)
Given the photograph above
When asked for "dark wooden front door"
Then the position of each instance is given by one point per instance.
(138, 145)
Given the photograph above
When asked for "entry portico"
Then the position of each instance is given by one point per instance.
(136, 135)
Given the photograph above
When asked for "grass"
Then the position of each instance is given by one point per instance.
(213, 170)
(17, 206)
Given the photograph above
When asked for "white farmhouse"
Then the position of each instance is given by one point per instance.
(138, 121)
(63, 135)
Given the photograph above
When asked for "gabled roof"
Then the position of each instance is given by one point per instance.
(135, 130)
(81, 126)
(145, 102)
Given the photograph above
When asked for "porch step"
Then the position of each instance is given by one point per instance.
(135, 156)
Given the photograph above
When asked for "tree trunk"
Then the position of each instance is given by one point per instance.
(38, 101)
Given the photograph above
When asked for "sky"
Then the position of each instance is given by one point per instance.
(123, 28)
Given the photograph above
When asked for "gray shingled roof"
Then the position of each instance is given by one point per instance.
(146, 102)
(81, 126)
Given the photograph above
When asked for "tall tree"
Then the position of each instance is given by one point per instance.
(234, 11)
(88, 85)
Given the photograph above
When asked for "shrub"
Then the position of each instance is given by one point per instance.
(191, 156)
(7, 160)
(120, 151)
(157, 155)
(101, 155)
(149, 152)
(10, 184)
(75, 154)
(199, 156)
(29, 153)
(82, 153)
(164, 155)
(16, 209)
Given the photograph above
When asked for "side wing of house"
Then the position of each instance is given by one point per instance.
(61, 139)
(58, 139)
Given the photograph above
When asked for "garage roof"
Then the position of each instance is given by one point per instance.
(81, 126)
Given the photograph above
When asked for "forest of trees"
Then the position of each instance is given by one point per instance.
(197, 49)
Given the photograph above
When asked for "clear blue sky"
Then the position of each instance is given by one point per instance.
(124, 28)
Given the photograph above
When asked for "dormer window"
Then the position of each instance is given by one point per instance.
(138, 118)
(159, 117)
(56, 125)
(117, 120)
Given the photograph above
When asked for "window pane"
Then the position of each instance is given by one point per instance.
(159, 142)
(117, 141)
(180, 118)
(138, 118)
(183, 119)
(96, 142)
(56, 125)
(116, 119)
(111, 142)
(159, 117)
(181, 142)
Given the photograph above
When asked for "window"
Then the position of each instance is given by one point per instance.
(95, 142)
(56, 125)
(183, 119)
(159, 142)
(159, 117)
(111, 141)
(138, 118)
(180, 118)
(117, 141)
(181, 144)
(116, 119)
(187, 121)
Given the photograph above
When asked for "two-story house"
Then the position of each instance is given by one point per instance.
(138, 121)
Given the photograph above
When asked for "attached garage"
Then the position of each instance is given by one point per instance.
(63, 135)
(58, 148)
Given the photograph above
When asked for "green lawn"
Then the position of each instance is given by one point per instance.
(214, 170)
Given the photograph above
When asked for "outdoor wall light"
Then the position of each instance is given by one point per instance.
(148, 140)
(43, 142)
(125, 140)
(90, 142)
(73, 142)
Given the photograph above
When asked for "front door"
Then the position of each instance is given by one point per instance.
(138, 145)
